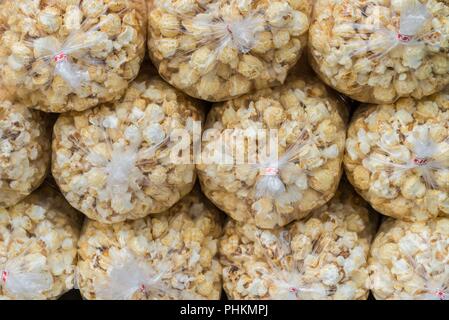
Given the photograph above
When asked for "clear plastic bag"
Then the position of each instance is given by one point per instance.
(169, 256)
(59, 56)
(24, 150)
(38, 239)
(303, 169)
(114, 162)
(218, 50)
(398, 157)
(321, 258)
(410, 261)
(380, 51)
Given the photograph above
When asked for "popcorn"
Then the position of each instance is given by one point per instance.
(24, 150)
(61, 56)
(169, 256)
(300, 175)
(38, 239)
(114, 162)
(408, 261)
(380, 51)
(219, 50)
(323, 257)
(397, 157)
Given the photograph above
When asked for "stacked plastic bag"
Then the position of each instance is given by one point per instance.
(322, 257)
(58, 56)
(38, 247)
(398, 157)
(126, 150)
(217, 50)
(115, 162)
(171, 255)
(24, 150)
(300, 168)
(410, 261)
(379, 51)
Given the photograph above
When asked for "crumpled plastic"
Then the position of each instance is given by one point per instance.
(218, 50)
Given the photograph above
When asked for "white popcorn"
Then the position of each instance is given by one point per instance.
(401, 169)
(305, 260)
(117, 164)
(24, 150)
(408, 261)
(380, 51)
(38, 263)
(168, 256)
(219, 49)
(310, 140)
(71, 55)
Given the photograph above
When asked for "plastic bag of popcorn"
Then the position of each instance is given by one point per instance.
(323, 257)
(24, 150)
(410, 261)
(118, 161)
(38, 247)
(398, 157)
(379, 51)
(169, 256)
(70, 55)
(271, 157)
(220, 49)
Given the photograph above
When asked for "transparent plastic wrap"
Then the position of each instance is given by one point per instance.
(321, 258)
(38, 246)
(397, 157)
(301, 127)
(379, 51)
(59, 56)
(24, 150)
(170, 256)
(410, 261)
(220, 49)
(114, 162)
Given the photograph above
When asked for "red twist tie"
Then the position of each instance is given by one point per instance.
(142, 288)
(4, 276)
(420, 161)
(404, 38)
(441, 294)
(271, 171)
(60, 57)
